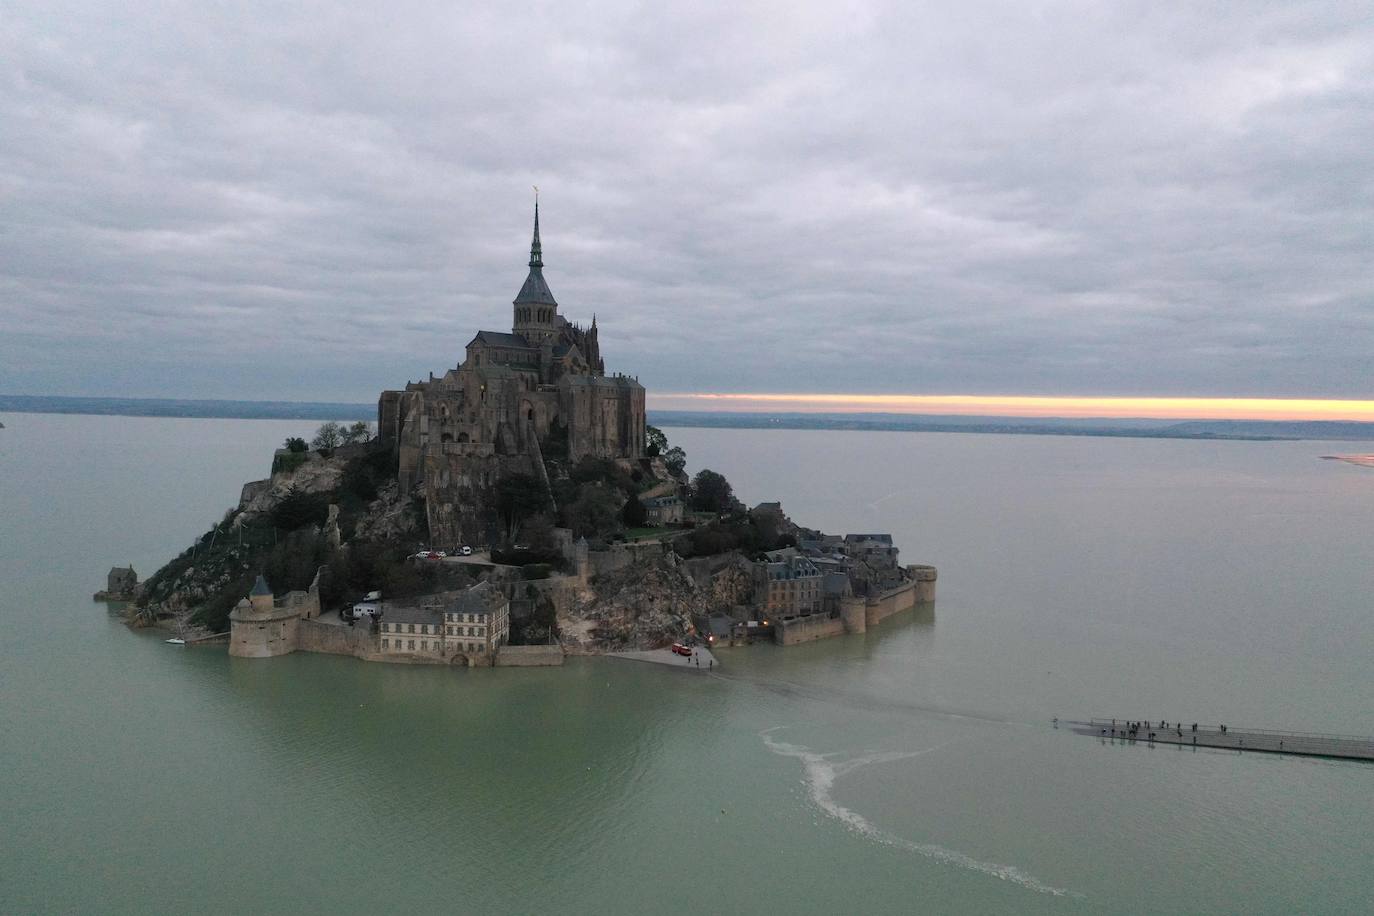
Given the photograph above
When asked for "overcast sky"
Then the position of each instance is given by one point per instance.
(292, 201)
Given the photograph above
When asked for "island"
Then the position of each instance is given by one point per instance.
(511, 511)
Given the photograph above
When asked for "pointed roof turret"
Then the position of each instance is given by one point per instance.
(536, 289)
(260, 587)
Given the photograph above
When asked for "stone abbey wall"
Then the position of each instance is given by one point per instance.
(795, 630)
(857, 614)
(330, 639)
(618, 556)
(920, 589)
(529, 656)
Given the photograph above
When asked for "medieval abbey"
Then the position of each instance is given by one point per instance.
(542, 388)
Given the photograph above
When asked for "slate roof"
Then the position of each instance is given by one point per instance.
(793, 568)
(835, 583)
(473, 601)
(411, 613)
(502, 339)
(260, 587)
(535, 290)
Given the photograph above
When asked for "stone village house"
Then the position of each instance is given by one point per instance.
(471, 624)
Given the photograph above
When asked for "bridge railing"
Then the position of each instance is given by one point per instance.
(1187, 726)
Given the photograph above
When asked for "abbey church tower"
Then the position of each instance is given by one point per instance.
(538, 392)
(536, 311)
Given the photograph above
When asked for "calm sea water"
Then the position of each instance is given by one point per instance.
(913, 769)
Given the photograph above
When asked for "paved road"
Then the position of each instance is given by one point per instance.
(481, 558)
(701, 660)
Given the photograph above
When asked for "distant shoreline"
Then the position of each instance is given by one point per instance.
(187, 408)
(1364, 461)
(1138, 428)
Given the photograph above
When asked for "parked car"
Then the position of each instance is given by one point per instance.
(465, 551)
(680, 649)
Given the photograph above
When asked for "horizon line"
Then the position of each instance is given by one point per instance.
(1067, 406)
(1086, 407)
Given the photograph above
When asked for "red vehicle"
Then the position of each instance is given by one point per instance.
(680, 649)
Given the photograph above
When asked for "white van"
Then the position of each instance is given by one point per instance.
(370, 606)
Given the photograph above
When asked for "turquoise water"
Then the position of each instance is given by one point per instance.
(913, 769)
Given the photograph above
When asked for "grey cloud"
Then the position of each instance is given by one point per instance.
(318, 202)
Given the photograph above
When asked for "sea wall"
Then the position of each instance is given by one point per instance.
(264, 637)
(791, 631)
(332, 639)
(919, 589)
(529, 656)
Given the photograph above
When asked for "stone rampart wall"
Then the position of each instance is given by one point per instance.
(529, 656)
(890, 602)
(920, 589)
(619, 556)
(330, 639)
(790, 632)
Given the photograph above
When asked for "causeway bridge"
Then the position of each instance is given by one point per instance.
(1190, 734)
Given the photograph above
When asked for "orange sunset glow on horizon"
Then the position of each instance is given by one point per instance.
(1164, 408)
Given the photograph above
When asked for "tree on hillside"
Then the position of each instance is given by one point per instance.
(675, 459)
(539, 537)
(658, 442)
(518, 496)
(633, 514)
(595, 512)
(711, 492)
(295, 444)
(328, 436)
(298, 509)
(602, 471)
(358, 432)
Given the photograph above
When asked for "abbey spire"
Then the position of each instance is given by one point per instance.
(536, 250)
(536, 290)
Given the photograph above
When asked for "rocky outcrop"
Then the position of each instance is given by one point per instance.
(392, 516)
(318, 475)
(648, 604)
(206, 579)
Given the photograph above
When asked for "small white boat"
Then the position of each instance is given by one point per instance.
(176, 642)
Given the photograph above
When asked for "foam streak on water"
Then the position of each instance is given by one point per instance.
(823, 769)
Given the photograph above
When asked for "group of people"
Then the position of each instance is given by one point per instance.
(1132, 729)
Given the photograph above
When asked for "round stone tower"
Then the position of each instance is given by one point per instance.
(260, 629)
